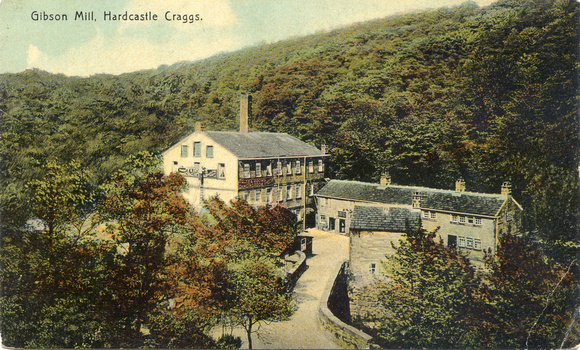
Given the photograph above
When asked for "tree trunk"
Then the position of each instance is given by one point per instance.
(249, 330)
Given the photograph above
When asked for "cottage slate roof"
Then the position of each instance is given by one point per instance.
(262, 144)
(383, 219)
(431, 199)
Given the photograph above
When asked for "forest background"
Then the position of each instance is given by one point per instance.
(487, 94)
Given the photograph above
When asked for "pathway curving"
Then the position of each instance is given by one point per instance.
(303, 330)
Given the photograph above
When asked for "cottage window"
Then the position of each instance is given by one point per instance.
(258, 170)
(279, 168)
(184, 151)
(298, 190)
(221, 170)
(373, 268)
(311, 167)
(312, 189)
(257, 194)
(209, 152)
(280, 194)
(461, 242)
(454, 218)
(288, 192)
(477, 244)
(425, 215)
(246, 195)
(469, 243)
(320, 166)
(433, 215)
(246, 171)
(298, 170)
(478, 221)
(462, 219)
(197, 149)
(470, 220)
(288, 168)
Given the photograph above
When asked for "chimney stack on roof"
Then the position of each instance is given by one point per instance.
(385, 179)
(198, 126)
(460, 185)
(324, 149)
(506, 189)
(245, 111)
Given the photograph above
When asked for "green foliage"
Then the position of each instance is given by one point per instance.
(433, 298)
(427, 300)
(529, 301)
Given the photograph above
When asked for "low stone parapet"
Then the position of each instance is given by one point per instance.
(344, 334)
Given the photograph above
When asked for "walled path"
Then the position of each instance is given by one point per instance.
(303, 331)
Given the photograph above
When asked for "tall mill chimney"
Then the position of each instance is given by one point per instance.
(245, 110)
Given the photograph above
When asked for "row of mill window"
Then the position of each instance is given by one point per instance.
(290, 167)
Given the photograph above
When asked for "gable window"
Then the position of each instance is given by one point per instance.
(258, 169)
(221, 170)
(197, 149)
(320, 166)
(288, 192)
(298, 167)
(311, 167)
(184, 151)
(209, 151)
(246, 171)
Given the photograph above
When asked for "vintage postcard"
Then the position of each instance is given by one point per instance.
(289, 174)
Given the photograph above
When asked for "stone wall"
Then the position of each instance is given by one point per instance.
(345, 335)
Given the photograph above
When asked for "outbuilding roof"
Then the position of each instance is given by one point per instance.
(430, 198)
(383, 219)
(262, 144)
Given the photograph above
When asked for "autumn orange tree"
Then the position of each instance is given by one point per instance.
(141, 207)
(233, 262)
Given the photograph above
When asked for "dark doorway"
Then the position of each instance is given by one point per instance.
(331, 224)
(341, 225)
(451, 241)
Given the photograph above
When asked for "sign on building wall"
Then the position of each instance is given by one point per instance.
(195, 172)
(255, 182)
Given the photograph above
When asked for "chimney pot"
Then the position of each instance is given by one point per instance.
(506, 189)
(385, 179)
(460, 185)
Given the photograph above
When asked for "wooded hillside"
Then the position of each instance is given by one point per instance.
(488, 94)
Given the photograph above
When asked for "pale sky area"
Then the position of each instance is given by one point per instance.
(87, 47)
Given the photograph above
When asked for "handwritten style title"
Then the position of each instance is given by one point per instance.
(111, 16)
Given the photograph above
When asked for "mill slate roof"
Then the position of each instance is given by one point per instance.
(262, 144)
(383, 219)
(431, 199)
